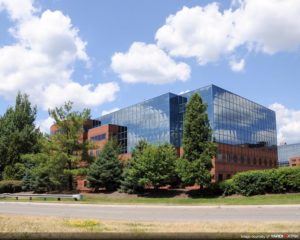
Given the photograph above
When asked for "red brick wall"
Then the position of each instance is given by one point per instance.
(232, 159)
(111, 131)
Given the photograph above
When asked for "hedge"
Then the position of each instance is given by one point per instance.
(10, 186)
(280, 180)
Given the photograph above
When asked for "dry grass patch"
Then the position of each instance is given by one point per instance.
(39, 224)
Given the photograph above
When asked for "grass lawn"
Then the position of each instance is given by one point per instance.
(34, 224)
(231, 200)
(120, 198)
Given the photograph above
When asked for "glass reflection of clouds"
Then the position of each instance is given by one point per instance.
(287, 151)
(241, 121)
(234, 119)
(149, 120)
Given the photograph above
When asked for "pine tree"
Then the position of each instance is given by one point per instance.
(106, 170)
(131, 175)
(195, 166)
(18, 135)
(67, 141)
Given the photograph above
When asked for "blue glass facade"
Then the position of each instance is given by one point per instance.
(149, 120)
(234, 119)
(237, 120)
(287, 151)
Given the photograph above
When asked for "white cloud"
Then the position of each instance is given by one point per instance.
(268, 26)
(45, 124)
(208, 34)
(149, 64)
(41, 62)
(81, 95)
(104, 112)
(17, 9)
(288, 123)
(201, 32)
(237, 66)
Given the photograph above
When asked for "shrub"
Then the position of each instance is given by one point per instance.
(285, 179)
(249, 183)
(10, 186)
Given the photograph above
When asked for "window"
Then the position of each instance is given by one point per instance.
(99, 137)
(220, 177)
(235, 158)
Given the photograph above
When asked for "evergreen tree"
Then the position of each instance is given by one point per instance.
(106, 170)
(195, 166)
(131, 174)
(45, 170)
(18, 135)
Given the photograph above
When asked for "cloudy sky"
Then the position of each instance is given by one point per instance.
(109, 54)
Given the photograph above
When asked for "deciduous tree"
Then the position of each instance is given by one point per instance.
(151, 166)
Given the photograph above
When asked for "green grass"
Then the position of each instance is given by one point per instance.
(231, 200)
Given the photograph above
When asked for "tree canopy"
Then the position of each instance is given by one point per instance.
(195, 166)
(68, 138)
(18, 136)
(150, 166)
(106, 170)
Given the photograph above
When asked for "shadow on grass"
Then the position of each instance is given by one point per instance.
(177, 193)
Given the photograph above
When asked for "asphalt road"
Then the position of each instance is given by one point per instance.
(156, 213)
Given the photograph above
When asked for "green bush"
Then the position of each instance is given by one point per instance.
(251, 183)
(10, 186)
(227, 187)
(256, 182)
(285, 179)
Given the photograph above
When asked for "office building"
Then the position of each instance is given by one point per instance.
(288, 154)
(244, 131)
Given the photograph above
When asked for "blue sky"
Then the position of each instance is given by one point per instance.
(111, 54)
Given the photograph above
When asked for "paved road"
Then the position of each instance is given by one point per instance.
(156, 213)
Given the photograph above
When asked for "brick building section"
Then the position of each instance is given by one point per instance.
(294, 161)
(109, 131)
(232, 159)
(91, 133)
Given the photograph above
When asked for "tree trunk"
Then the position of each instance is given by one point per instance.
(70, 177)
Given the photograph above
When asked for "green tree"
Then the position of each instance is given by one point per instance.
(131, 173)
(195, 166)
(68, 139)
(44, 170)
(151, 166)
(18, 135)
(106, 170)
